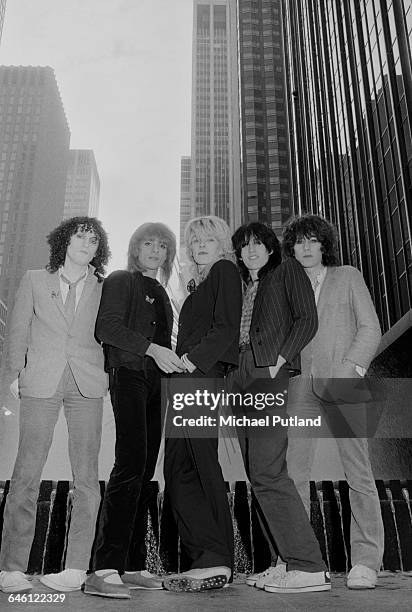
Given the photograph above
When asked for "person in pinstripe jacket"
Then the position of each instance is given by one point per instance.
(278, 319)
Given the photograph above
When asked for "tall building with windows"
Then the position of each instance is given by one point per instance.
(264, 133)
(349, 85)
(34, 145)
(185, 208)
(82, 185)
(215, 154)
(2, 12)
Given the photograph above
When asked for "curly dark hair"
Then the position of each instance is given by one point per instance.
(306, 226)
(267, 236)
(60, 237)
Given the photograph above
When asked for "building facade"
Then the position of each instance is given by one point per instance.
(349, 90)
(82, 185)
(185, 206)
(215, 153)
(2, 12)
(264, 132)
(34, 145)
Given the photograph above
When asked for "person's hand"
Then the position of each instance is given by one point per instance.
(165, 358)
(274, 369)
(190, 367)
(14, 389)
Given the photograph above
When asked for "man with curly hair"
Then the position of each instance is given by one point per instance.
(343, 348)
(54, 359)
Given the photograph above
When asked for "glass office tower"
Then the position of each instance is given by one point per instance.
(349, 91)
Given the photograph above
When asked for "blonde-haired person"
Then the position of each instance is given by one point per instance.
(207, 342)
(135, 324)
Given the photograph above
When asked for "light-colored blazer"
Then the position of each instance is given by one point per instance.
(42, 342)
(349, 331)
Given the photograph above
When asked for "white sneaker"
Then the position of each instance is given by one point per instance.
(67, 580)
(259, 579)
(14, 582)
(296, 581)
(361, 577)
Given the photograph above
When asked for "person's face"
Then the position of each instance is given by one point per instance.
(205, 248)
(255, 254)
(82, 247)
(152, 253)
(308, 252)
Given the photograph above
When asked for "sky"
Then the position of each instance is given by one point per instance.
(123, 68)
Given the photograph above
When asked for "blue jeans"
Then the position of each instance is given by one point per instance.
(366, 531)
(38, 418)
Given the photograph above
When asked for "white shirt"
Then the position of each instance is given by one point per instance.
(64, 287)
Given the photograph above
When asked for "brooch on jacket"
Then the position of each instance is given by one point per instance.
(55, 294)
(149, 299)
(191, 286)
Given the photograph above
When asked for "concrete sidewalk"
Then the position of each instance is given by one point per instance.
(394, 592)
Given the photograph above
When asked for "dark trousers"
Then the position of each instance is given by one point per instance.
(197, 492)
(136, 401)
(281, 512)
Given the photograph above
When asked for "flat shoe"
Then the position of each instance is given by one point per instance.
(186, 584)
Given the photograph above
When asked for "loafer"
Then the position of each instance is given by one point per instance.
(67, 580)
(14, 582)
(107, 585)
(361, 577)
(197, 580)
(142, 580)
(296, 581)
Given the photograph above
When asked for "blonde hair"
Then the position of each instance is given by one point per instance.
(208, 225)
(152, 230)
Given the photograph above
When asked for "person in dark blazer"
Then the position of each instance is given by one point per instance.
(54, 359)
(135, 325)
(343, 348)
(208, 345)
(278, 319)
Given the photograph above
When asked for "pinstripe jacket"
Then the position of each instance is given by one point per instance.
(284, 317)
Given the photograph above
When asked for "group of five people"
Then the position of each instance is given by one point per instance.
(250, 321)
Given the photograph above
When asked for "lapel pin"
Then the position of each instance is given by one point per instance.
(149, 299)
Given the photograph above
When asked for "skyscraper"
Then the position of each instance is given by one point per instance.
(264, 133)
(34, 144)
(82, 185)
(215, 155)
(349, 81)
(185, 168)
(2, 11)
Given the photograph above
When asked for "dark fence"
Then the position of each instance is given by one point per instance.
(330, 516)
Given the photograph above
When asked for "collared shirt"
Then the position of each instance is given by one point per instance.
(64, 287)
(317, 283)
(247, 311)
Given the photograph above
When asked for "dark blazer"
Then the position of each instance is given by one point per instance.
(284, 317)
(209, 321)
(125, 320)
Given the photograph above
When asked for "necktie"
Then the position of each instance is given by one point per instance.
(70, 303)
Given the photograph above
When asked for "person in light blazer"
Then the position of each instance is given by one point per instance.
(208, 346)
(343, 347)
(278, 320)
(54, 359)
